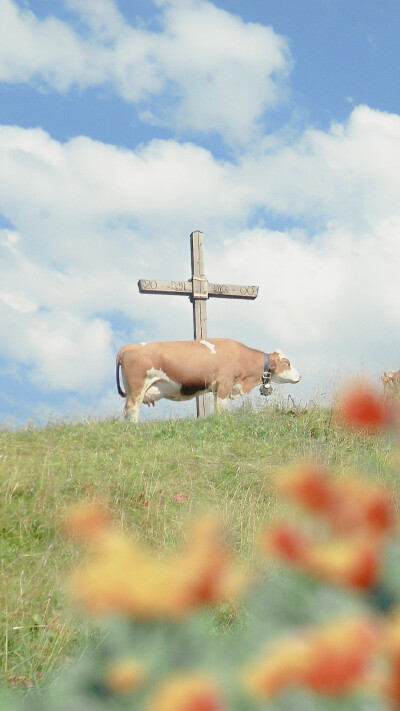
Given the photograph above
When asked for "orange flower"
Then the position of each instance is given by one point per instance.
(86, 521)
(287, 542)
(124, 676)
(390, 646)
(340, 655)
(206, 565)
(360, 502)
(391, 634)
(331, 659)
(348, 503)
(307, 483)
(283, 666)
(187, 693)
(361, 408)
(352, 562)
(124, 578)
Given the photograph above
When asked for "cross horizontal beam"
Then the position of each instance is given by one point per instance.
(198, 289)
(185, 288)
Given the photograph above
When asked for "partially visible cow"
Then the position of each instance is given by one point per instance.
(181, 370)
(391, 383)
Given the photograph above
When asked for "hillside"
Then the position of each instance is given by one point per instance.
(152, 477)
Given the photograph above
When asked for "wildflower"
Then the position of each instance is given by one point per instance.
(341, 653)
(331, 659)
(124, 676)
(309, 484)
(206, 565)
(123, 578)
(352, 562)
(85, 521)
(283, 666)
(361, 408)
(348, 503)
(180, 498)
(187, 693)
(390, 647)
(287, 542)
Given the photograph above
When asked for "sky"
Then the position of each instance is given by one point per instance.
(273, 126)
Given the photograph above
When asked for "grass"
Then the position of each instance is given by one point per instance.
(223, 462)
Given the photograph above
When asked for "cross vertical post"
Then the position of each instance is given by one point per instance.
(199, 299)
(198, 289)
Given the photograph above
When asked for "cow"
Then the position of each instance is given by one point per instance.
(391, 383)
(181, 370)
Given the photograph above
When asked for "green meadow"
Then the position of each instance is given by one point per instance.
(153, 477)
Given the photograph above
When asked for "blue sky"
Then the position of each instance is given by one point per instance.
(273, 127)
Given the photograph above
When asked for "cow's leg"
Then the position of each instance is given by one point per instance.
(134, 397)
(221, 394)
(132, 407)
(219, 403)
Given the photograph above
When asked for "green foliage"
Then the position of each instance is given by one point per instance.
(153, 477)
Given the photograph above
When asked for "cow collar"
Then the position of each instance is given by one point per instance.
(265, 388)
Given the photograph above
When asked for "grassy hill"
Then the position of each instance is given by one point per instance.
(153, 477)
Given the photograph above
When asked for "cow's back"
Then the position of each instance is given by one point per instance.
(187, 362)
(193, 363)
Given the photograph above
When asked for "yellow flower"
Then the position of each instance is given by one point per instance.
(349, 562)
(124, 676)
(351, 503)
(282, 667)
(124, 578)
(86, 521)
(330, 659)
(187, 693)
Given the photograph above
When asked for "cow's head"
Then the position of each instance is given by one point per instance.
(281, 369)
(391, 378)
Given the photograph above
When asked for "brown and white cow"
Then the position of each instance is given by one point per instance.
(391, 382)
(181, 370)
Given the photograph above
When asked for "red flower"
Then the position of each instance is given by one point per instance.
(361, 408)
(86, 521)
(351, 562)
(187, 693)
(353, 502)
(331, 659)
(287, 542)
(340, 655)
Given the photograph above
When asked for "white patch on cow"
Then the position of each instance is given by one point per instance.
(158, 385)
(237, 391)
(210, 346)
(162, 389)
(219, 403)
(287, 376)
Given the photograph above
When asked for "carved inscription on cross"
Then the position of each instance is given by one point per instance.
(198, 289)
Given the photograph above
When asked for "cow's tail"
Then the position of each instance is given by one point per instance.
(117, 371)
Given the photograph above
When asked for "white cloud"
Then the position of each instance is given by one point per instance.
(62, 351)
(347, 176)
(90, 219)
(207, 70)
(227, 72)
(68, 352)
(47, 52)
(327, 294)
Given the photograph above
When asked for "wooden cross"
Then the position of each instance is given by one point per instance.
(198, 289)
